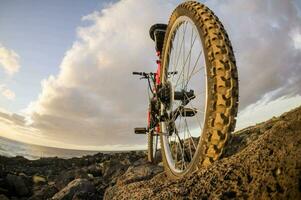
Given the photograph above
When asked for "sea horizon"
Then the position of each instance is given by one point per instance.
(12, 148)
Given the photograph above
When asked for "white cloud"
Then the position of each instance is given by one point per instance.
(297, 40)
(94, 100)
(265, 109)
(9, 60)
(260, 32)
(7, 93)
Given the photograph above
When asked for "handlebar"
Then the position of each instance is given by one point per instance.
(151, 73)
(143, 74)
(137, 73)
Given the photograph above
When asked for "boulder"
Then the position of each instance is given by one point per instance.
(95, 170)
(76, 186)
(111, 169)
(38, 179)
(3, 197)
(67, 176)
(46, 192)
(17, 185)
(138, 173)
(85, 196)
(100, 184)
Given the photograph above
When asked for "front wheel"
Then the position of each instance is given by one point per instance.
(197, 48)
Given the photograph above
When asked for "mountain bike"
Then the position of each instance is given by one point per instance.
(194, 91)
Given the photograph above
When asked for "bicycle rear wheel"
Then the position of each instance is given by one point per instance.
(153, 147)
(197, 47)
(152, 135)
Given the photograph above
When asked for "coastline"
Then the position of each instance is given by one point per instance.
(260, 162)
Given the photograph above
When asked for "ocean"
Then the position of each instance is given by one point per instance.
(11, 148)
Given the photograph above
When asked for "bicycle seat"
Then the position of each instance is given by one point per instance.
(157, 33)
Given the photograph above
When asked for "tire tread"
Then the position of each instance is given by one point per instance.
(223, 74)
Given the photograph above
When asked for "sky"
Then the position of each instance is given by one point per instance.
(65, 71)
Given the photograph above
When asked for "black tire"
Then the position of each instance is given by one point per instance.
(152, 147)
(222, 85)
(152, 136)
(150, 157)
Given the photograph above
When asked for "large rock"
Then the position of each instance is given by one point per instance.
(3, 197)
(264, 164)
(112, 169)
(95, 170)
(36, 179)
(138, 173)
(17, 185)
(66, 177)
(142, 172)
(85, 196)
(77, 186)
(43, 193)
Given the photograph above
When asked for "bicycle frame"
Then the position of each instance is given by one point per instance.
(156, 79)
(158, 73)
(157, 83)
(187, 82)
(161, 94)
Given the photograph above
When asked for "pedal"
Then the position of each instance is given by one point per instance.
(184, 96)
(188, 112)
(140, 130)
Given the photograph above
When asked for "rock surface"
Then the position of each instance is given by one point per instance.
(54, 178)
(259, 162)
(74, 188)
(17, 184)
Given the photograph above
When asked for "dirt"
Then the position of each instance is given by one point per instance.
(259, 162)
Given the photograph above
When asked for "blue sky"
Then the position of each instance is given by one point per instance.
(40, 32)
(73, 77)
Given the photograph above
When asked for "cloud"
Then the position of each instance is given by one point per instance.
(265, 109)
(94, 100)
(12, 118)
(7, 93)
(9, 60)
(265, 39)
(297, 40)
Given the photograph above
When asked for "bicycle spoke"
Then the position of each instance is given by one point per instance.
(194, 65)
(175, 142)
(190, 136)
(195, 113)
(189, 146)
(191, 75)
(176, 64)
(191, 45)
(184, 63)
(175, 53)
(185, 95)
(184, 57)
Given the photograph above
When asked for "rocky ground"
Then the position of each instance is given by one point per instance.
(76, 178)
(260, 162)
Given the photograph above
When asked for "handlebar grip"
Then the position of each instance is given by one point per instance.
(137, 73)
